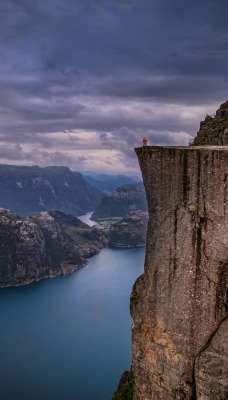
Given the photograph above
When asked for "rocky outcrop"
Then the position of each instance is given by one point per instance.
(87, 240)
(125, 388)
(50, 244)
(22, 250)
(214, 129)
(130, 231)
(179, 305)
(123, 200)
(30, 190)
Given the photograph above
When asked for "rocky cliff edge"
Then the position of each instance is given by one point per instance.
(179, 305)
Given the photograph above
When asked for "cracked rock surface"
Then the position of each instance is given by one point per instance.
(179, 344)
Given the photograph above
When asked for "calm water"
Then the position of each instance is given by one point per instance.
(68, 338)
(86, 219)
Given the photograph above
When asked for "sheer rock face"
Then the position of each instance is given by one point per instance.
(50, 244)
(212, 363)
(214, 129)
(179, 304)
(22, 249)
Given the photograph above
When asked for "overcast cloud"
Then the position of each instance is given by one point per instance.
(82, 81)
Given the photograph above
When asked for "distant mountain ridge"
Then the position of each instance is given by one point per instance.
(29, 190)
(122, 201)
(108, 183)
(130, 231)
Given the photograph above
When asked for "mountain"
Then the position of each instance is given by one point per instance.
(29, 190)
(214, 129)
(55, 243)
(49, 244)
(108, 183)
(123, 200)
(130, 231)
(108, 177)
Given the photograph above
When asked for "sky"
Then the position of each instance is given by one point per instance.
(82, 81)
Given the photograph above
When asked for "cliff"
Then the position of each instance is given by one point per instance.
(50, 244)
(30, 190)
(123, 200)
(179, 305)
(130, 231)
(214, 129)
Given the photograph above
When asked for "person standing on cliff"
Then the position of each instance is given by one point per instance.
(144, 141)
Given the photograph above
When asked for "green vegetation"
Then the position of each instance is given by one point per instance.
(201, 141)
(208, 117)
(58, 251)
(55, 251)
(71, 230)
(125, 391)
(109, 220)
(217, 122)
(213, 132)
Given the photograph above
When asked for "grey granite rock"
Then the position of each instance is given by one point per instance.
(181, 298)
(211, 366)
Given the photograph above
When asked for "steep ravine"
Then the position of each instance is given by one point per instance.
(179, 305)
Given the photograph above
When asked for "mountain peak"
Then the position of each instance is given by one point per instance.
(214, 129)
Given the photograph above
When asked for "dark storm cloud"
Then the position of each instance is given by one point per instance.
(119, 68)
(167, 88)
